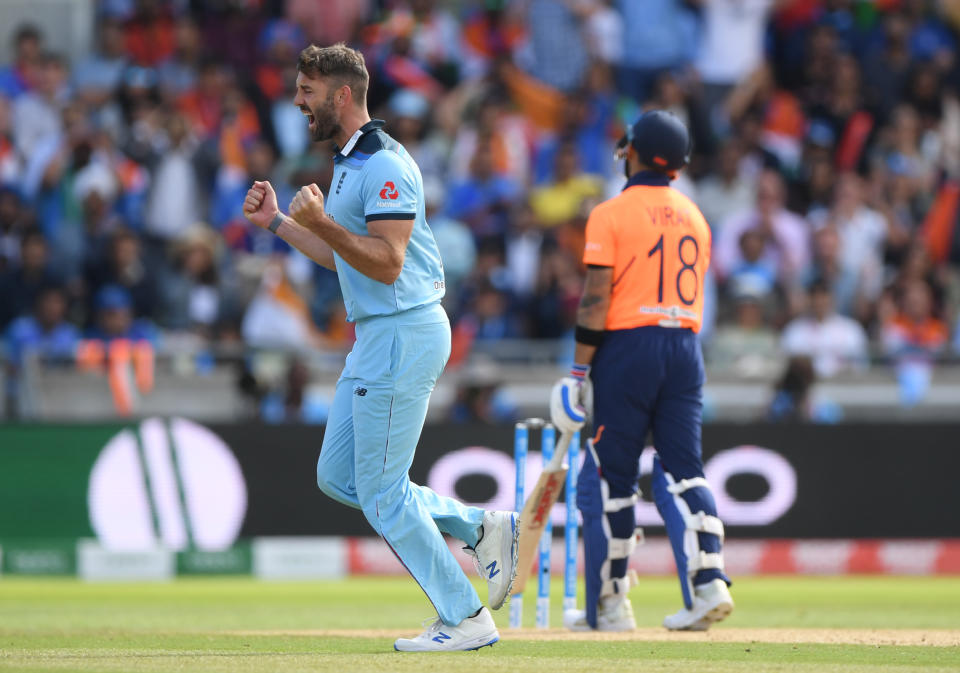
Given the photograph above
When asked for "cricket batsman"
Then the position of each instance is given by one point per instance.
(647, 251)
(373, 233)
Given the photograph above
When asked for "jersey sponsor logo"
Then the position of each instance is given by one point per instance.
(389, 191)
(591, 245)
(669, 311)
(360, 392)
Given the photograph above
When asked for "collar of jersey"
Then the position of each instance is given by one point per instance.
(351, 145)
(649, 179)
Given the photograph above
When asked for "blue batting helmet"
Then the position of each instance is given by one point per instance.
(660, 140)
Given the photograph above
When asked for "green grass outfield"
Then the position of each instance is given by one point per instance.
(881, 624)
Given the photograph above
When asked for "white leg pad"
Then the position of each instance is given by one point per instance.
(705, 523)
(619, 585)
(620, 547)
(616, 504)
(704, 561)
(678, 487)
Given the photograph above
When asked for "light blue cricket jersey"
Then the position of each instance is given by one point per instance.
(374, 178)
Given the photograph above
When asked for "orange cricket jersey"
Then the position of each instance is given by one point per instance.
(658, 244)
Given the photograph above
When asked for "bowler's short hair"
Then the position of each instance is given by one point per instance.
(340, 63)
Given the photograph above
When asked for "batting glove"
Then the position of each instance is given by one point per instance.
(568, 400)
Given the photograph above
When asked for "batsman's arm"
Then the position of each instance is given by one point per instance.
(592, 312)
(306, 242)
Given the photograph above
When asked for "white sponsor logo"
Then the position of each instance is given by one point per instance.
(171, 483)
(779, 474)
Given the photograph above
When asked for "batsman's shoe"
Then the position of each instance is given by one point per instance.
(496, 555)
(711, 603)
(470, 634)
(615, 613)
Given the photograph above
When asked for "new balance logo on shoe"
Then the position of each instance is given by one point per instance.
(440, 637)
(494, 570)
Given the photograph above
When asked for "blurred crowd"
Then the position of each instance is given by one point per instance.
(826, 160)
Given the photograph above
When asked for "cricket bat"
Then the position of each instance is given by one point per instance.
(537, 508)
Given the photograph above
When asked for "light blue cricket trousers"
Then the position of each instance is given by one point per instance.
(371, 435)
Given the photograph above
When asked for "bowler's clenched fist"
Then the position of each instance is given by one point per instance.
(307, 206)
(260, 206)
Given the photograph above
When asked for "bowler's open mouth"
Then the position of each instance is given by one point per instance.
(311, 120)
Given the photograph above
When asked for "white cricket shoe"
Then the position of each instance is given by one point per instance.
(711, 603)
(470, 634)
(615, 613)
(496, 555)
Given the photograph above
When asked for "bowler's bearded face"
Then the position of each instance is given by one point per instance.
(315, 99)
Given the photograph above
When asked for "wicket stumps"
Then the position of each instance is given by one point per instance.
(521, 442)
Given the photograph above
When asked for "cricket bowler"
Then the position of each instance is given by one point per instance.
(372, 231)
(647, 251)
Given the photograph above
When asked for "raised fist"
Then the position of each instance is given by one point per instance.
(260, 206)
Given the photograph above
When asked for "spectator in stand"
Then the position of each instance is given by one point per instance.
(863, 234)
(841, 106)
(484, 199)
(338, 22)
(504, 133)
(794, 400)
(149, 34)
(732, 43)
(22, 75)
(585, 120)
(97, 77)
(887, 64)
(177, 75)
(913, 338)
(660, 35)
(604, 30)
(174, 199)
(559, 285)
(489, 317)
(828, 266)
(195, 296)
(749, 346)
(122, 264)
(480, 397)
(930, 39)
(558, 50)
(525, 241)
(45, 332)
(725, 191)
(561, 200)
(37, 113)
(786, 238)
(434, 38)
(114, 319)
(20, 286)
(753, 275)
(490, 34)
(834, 342)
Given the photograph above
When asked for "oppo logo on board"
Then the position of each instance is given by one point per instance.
(757, 461)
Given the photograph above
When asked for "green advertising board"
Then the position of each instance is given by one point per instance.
(44, 472)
